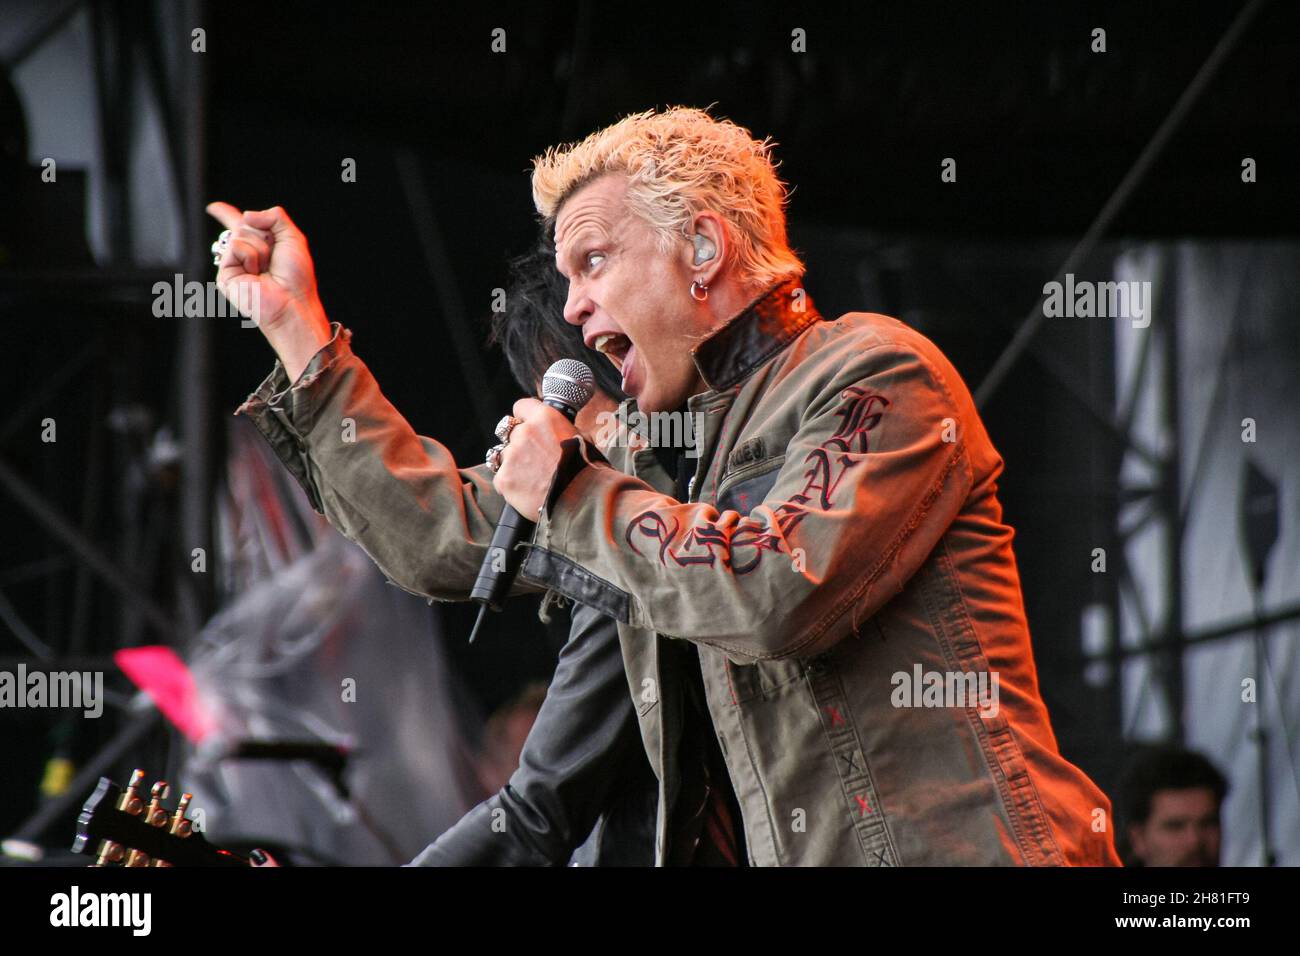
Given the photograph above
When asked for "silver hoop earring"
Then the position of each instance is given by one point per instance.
(704, 292)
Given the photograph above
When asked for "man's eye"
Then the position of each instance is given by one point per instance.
(593, 259)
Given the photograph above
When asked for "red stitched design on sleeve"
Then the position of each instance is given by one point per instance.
(743, 549)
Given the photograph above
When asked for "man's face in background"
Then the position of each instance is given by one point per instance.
(1182, 829)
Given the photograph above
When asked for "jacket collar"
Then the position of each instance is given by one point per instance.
(759, 331)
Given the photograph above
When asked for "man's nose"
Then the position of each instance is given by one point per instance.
(578, 306)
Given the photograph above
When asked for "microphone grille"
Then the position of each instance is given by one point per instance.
(569, 381)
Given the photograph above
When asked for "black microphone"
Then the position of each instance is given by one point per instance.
(567, 386)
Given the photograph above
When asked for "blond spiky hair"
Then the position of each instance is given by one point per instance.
(680, 162)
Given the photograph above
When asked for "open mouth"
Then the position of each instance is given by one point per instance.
(614, 346)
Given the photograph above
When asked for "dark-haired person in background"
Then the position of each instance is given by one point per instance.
(532, 333)
(1170, 800)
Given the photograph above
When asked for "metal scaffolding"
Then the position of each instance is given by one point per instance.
(135, 46)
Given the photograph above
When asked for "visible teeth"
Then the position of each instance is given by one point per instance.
(612, 345)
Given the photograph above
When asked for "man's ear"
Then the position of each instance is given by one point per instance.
(1137, 839)
(706, 253)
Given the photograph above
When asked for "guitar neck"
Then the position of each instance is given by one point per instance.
(118, 827)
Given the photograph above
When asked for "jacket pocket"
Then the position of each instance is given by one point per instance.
(763, 678)
(743, 489)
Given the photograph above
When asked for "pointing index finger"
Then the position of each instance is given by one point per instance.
(226, 214)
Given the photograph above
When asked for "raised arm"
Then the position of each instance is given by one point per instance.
(423, 520)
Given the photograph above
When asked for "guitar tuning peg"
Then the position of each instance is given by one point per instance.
(109, 852)
(131, 802)
(182, 827)
(163, 820)
(157, 816)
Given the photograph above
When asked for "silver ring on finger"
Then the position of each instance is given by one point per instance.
(506, 426)
(494, 458)
(220, 246)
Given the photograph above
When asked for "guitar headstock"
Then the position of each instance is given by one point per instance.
(118, 827)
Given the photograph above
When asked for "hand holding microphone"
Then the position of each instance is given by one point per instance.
(525, 464)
